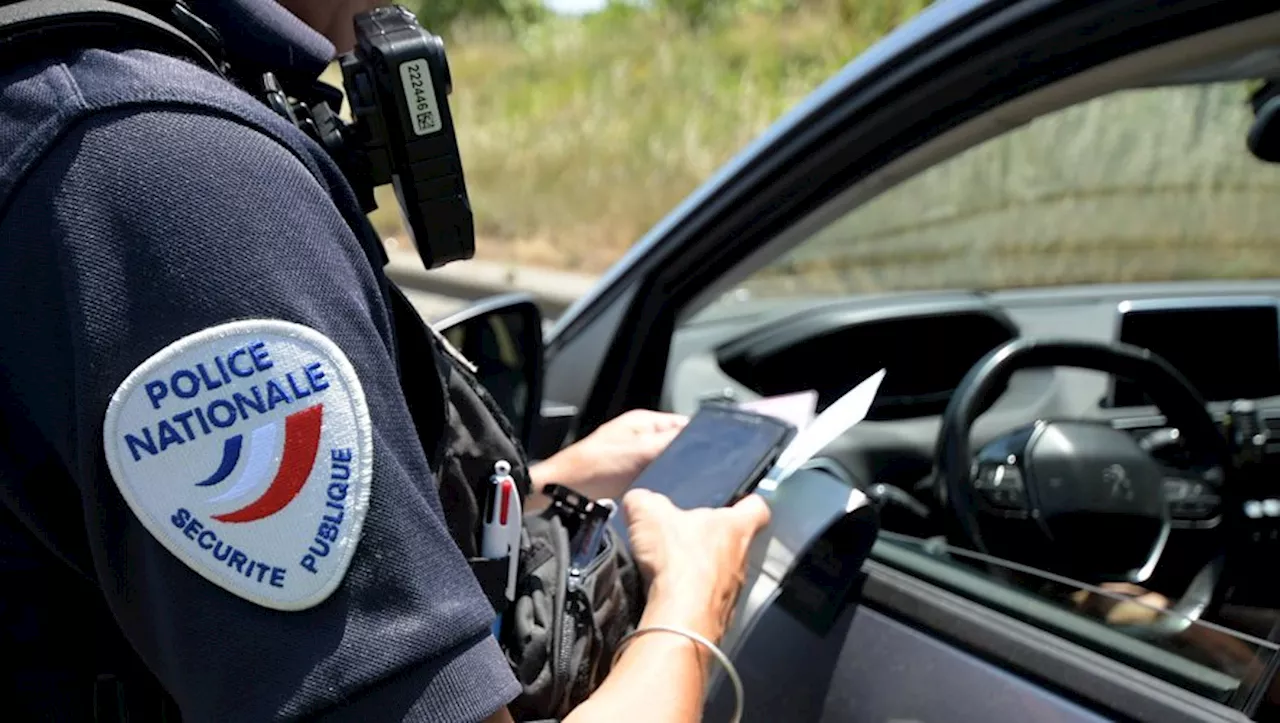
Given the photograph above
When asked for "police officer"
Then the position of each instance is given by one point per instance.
(210, 475)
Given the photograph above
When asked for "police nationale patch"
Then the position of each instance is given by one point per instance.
(246, 449)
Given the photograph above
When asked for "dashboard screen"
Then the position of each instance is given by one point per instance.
(1226, 352)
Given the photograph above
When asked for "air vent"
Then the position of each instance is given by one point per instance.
(1139, 433)
(1273, 424)
(1271, 420)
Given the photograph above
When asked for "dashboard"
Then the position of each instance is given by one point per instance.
(928, 346)
(1196, 336)
(1224, 337)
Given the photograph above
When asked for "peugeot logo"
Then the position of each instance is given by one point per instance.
(1117, 480)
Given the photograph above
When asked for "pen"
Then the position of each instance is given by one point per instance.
(515, 516)
(497, 539)
(494, 540)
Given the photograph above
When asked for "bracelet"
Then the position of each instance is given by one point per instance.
(729, 669)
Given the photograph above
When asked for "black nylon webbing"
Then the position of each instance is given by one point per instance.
(32, 28)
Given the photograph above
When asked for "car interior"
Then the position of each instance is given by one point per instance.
(1076, 297)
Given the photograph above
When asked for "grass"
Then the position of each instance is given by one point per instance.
(577, 135)
(1141, 185)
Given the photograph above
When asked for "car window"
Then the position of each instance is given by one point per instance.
(1230, 665)
(1140, 185)
(1150, 184)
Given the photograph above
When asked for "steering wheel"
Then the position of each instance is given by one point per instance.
(1075, 495)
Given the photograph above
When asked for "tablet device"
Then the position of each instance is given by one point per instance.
(719, 457)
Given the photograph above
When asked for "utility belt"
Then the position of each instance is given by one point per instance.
(576, 589)
(577, 592)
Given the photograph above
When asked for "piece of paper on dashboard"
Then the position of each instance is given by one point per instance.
(835, 420)
(797, 409)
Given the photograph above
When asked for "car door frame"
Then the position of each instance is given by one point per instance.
(955, 61)
(1073, 671)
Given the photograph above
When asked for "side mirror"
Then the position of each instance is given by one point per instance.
(502, 336)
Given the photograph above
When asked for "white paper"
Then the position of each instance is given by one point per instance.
(834, 421)
(796, 409)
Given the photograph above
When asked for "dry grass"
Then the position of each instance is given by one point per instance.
(1143, 185)
(580, 134)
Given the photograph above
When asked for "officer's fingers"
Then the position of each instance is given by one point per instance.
(752, 512)
(634, 500)
(648, 420)
(665, 421)
(640, 504)
(655, 442)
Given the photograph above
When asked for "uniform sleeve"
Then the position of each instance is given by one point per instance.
(141, 229)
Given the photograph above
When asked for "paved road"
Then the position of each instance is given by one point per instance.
(433, 307)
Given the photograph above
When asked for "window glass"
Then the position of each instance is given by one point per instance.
(1142, 185)
(1151, 184)
(1226, 663)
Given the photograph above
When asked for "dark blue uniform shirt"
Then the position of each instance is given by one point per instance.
(143, 199)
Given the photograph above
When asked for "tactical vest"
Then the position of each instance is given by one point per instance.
(462, 429)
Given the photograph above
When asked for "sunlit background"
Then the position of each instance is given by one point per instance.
(583, 122)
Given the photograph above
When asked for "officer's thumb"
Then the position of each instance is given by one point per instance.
(641, 503)
(753, 511)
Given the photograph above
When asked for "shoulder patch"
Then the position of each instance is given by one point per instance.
(246, 449)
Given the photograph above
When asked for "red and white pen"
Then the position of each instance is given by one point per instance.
(502, 523)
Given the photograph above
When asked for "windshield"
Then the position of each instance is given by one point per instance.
(1154, 184)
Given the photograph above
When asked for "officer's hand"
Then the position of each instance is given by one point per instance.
(603, 464)
(694, 561)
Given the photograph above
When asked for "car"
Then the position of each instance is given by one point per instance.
(1056, 226)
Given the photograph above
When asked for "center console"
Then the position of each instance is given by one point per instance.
(1228, 348)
